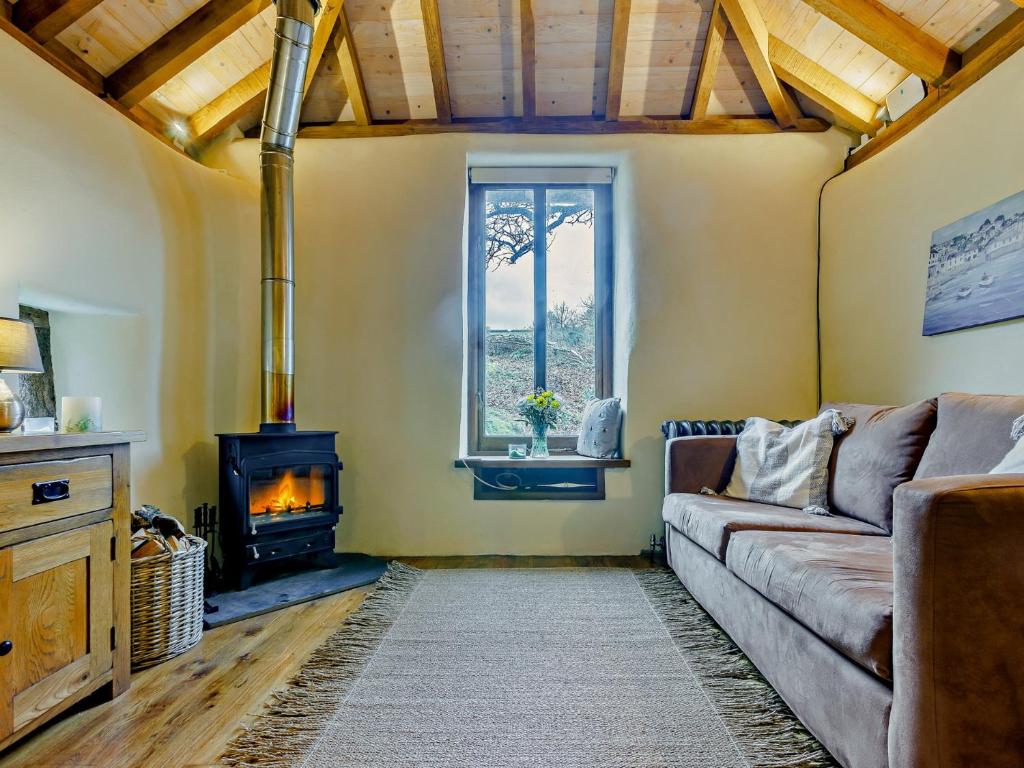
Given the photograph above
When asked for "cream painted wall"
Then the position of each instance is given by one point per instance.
(715, 279)
(118, 236)
(877, 226)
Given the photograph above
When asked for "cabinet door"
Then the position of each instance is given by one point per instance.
(56, 613)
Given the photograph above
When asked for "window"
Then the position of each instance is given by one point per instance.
(539, 306)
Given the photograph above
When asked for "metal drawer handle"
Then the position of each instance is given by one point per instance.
(51, 490)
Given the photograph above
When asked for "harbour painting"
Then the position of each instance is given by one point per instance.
(976, 269)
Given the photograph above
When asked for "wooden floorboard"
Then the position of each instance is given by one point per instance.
(183, 712)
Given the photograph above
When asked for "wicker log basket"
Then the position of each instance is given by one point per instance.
(167, 604)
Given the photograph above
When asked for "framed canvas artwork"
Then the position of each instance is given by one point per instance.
(976, 269)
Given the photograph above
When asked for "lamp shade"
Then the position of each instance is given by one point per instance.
(19, 350)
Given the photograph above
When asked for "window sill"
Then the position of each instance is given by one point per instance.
(570, 461)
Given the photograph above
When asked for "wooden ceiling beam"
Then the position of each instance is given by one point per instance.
(980, 59)
(435, 53)
(181, 46)
(45, 19)
(617, 59)
(236, 102)
(350, 70)
(749, 26)
(561, 125)
(709, 58)
(889, 33)
(245, 96)
(528, 56)
(820, 85)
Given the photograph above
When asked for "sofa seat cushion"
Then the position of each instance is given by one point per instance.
(710, 521)
(838, 586)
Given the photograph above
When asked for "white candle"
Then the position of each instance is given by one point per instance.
(81, 414)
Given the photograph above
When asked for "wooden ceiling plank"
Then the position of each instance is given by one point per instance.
(200, 32)
(561, 125)
(45, 19)
(322, 35)
(617, 59)
(237, 101)
(247, 94)
(748, 24)
(889, 33)
(709, 59)
(528, 57)
(351, 72)
(980, 59)
(435, 54)
(821, 86)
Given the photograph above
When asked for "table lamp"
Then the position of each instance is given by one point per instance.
(19, 353)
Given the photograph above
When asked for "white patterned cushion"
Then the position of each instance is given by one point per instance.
(787, 467)
(599, 432)
(1013, 462)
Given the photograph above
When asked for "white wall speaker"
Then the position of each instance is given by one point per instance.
(901, 99)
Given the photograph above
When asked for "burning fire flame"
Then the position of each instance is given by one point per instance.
(288, 494)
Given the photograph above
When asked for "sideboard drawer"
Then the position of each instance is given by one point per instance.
(48, 490)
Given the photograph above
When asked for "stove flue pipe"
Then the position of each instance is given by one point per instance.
(293, 38)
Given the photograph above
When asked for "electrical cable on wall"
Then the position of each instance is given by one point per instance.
(817, 283)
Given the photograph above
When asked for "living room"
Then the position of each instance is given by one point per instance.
(759, 217)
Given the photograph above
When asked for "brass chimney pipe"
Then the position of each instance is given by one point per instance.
(293, 38)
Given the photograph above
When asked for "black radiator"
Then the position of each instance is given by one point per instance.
(691, 427)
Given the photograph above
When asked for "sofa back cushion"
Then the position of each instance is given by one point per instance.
(972, 434)
(882, 450)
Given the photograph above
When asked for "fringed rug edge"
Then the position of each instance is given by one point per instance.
(761, 723)
(282, 735)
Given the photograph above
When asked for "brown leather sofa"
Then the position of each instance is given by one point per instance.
(894, 628)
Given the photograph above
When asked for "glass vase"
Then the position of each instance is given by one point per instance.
(539, 449)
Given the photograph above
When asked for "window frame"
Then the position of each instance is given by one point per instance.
(479, 443)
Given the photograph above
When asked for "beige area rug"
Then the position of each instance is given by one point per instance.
(567, 668)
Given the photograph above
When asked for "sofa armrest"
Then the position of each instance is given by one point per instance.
(694, 462)
(958, 622)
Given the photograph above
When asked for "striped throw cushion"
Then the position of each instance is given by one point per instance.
(786, 466)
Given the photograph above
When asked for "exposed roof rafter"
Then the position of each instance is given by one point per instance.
(45, 19)
(177, 49)
(236, 102)
(435, 53)
(322, 35)
(889, 33)
(350, 71)
(820, 85)
(617, 59)
(528, 54)
(981, 58)
(710, 56)
(747, 22)
(245, 96)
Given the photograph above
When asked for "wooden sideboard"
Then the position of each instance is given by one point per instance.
(65, 573)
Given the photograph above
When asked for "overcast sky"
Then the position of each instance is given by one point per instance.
(570, 279)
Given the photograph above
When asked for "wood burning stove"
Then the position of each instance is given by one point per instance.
(278, 486)
(278, 500)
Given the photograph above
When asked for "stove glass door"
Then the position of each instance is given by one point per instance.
(284, 493)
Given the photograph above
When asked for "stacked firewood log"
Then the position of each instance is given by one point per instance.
(154, 533)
